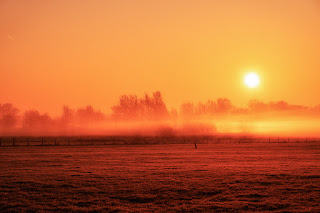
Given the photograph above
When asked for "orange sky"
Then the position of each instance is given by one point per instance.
(90, 52)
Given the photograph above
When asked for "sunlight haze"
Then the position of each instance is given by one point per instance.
(76, 53)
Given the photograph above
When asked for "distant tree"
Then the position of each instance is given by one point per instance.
(187, 109)
(279, 106)
(201, 109)
(221, 105)
(130, 107)
(284, 106)
(8, 116)
(154, 107)
(224, 105)
(88, 114)
(211, 106)
(257, 106)
(33, 120)
(67, 116)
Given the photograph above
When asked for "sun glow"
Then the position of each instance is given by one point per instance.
(252, 80)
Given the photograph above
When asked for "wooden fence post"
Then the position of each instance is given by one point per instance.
(55, 141)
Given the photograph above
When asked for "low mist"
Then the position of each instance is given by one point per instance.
(149, 115)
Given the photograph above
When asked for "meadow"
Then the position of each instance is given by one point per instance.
(221, 177)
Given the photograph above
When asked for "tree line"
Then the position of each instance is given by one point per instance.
(133, 108)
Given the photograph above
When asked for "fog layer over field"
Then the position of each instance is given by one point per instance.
(149, 115)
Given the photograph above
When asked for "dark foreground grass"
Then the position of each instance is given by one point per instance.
(213, 178)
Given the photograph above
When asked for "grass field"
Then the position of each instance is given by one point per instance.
(280, 177)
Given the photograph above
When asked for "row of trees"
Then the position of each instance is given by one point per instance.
(8, 116)
(33, 120)
(224, 106)
(132, 108)
(221, 105)
(259, 106)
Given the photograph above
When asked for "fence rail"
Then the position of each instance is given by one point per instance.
(142, 140)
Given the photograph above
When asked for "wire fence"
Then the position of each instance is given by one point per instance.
(143, 140)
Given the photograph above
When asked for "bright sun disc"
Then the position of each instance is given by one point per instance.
(252, 80)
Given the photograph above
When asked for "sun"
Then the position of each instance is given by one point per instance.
(252, 80)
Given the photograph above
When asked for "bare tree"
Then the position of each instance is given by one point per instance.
(224, 105)
(187, 109)
(8, 116)
(34, 122)
(67, 116)
(88, 115)
(130, 107)
(258, 106)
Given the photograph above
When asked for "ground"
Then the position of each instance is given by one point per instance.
(280, 177)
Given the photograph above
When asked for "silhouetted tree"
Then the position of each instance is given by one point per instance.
(130, 107)
(32, 119)
(221, 105)
(154, 107)
(211, 106)
(67, 116)
(187, 109)
(224, 105)
(279, 106)
(88, 114)
(201, 109)
(257, 106)
(8, 116)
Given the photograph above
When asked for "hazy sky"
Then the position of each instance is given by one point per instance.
(90, 52)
